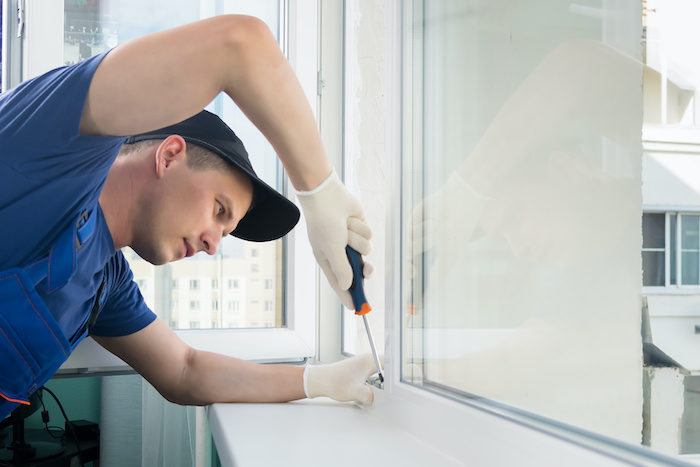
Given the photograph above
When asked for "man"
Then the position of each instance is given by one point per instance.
(69, 202)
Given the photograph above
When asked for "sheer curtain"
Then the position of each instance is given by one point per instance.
(173, 435)
(120, 421)
(140, 427)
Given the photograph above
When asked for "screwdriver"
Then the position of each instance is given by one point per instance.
(359, 300)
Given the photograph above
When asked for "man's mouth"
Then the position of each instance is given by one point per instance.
(189, 249)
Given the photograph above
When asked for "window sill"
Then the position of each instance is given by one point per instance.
(258, 345)
(672, 290)
(314, 432)
(322, 432)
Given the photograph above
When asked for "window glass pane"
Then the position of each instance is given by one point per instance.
(653, 231)
(673, 249)
(186, 294)
(653, 267)
(521, 239)
(690, 274)
(689, 232)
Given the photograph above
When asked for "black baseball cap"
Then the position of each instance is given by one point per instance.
(271, 215)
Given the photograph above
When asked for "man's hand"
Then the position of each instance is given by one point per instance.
(343, 380)
(334, 219)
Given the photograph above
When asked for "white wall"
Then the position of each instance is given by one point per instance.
(365, 148)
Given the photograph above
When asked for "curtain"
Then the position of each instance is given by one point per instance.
(139, 427)
(173, 435)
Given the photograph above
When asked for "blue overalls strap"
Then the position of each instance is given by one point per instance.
(59, 266)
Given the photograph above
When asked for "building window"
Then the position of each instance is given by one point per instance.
(268, 305)
(215, 284)
(215, 305)
(194, 305)
(254, 252)
(670, 249)
(234, 305)
(233, 284)
(254, 268)
(654, 249)
(194, 284)
(689, 249)
(268, 284)
(194, 324)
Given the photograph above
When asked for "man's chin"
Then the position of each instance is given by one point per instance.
(154, 258)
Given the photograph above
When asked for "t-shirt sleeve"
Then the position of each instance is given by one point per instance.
(124, 311)
(40, 123)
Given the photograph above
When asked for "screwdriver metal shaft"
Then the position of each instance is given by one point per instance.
(359, 300)
(380, 374)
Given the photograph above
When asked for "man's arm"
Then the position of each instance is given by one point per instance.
(184, 375)
(165, 77)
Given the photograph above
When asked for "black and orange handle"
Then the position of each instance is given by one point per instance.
(357, 291)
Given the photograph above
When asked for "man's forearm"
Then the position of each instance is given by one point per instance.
(210, 377)
(184, 375)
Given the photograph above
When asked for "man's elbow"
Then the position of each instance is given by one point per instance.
(182, 399)
(247, 30)
(184, 390)
(244, 36)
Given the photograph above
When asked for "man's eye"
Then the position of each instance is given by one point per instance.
(221, 208)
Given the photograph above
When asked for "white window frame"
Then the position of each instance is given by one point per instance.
(11, 48)
(330, 87)
(41, 48)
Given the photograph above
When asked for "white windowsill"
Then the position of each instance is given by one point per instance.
(672, 290)
(316, 432)
(322, 432)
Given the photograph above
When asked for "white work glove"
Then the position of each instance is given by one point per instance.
(334, 219)
(344, 380)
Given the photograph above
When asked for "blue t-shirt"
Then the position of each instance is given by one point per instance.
(49, 174)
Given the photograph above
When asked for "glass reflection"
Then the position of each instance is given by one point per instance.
(523, 253)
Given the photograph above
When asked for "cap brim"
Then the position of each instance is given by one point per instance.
(272, 216)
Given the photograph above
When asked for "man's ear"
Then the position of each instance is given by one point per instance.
(171, 150)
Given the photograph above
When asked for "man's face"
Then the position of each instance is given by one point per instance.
(186, 211)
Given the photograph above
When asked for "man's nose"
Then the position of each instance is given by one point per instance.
(210, 241)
